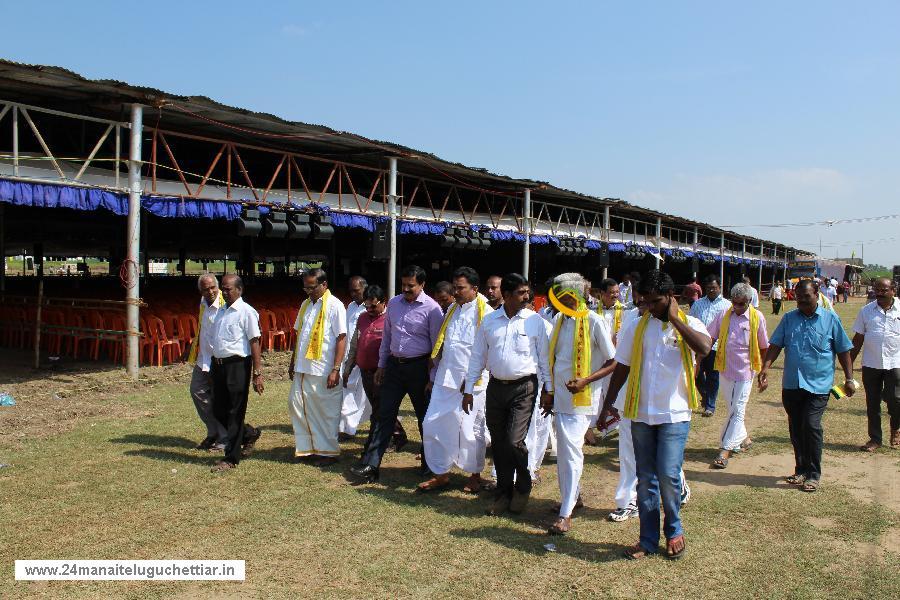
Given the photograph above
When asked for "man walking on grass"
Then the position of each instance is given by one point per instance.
(811, 337)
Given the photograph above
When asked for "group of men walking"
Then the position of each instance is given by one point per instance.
(482, 369)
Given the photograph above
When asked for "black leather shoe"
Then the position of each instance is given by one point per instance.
(367, 473)
(206, 444)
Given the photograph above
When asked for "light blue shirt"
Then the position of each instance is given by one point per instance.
(706, 310)
(810, 346)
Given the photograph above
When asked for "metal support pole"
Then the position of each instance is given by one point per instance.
(37, 324)
(606, 233)
(526, 222)
(722, 262)
(132, 284)
(696, 259)
(762, 251)
(784, 269)
(15, 128)
(743, 254)
(392, 213)
(658, 240)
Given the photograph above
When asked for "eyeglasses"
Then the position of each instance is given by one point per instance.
(310, 288)
(370, 305)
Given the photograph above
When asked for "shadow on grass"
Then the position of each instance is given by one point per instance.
(398, 486)
(157, 441)
(725, 479)
(785, 440)
(175, 457)
(533, 543)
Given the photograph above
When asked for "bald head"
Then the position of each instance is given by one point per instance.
(232, 288)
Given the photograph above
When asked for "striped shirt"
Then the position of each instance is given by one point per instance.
(706, 310)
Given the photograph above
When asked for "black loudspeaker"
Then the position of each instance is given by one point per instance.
(381, 242)
(603, 255)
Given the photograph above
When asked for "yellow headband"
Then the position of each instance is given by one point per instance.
(554, 300)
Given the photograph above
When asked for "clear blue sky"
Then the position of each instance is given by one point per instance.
(763, 112)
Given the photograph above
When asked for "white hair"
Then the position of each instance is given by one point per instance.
(742, 290)
(571, 281)
(206, 276)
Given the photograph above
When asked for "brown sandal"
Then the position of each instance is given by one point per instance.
(635, 552)
(811, 485)
(435, 483)
(795, 479)
(473, 485)
(561, 526)
(222, 465)
(670, 548)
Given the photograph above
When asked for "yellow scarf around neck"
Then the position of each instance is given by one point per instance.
(195, 344)
(581, 355)
(317, 335)
(826, 303)
(633, 394)
(479, 305)
(755, 360)
(618, 307)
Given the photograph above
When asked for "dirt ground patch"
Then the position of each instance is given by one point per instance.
(60, 395)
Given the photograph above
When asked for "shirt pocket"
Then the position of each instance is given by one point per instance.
(743, 335)
(233, 331)
(522, 343)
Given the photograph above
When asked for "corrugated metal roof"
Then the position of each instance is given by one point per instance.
(62, 89)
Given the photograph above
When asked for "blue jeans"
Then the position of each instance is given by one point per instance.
(707, 380)
(658, 454)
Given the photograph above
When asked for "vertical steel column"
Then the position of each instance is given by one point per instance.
(696, 258)
(15, 127)
(392, 212)
(526, 222)
(132, 284)
(722, 262)
(658, 240)
(784, 268)
(606, 230)
(762, 251)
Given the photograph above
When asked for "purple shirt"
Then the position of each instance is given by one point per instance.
(737, 346)
(410, 328)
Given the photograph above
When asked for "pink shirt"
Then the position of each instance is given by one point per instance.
(737, 347)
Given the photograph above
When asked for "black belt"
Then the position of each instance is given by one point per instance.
(229, 359)
(403, 361)
(512, 381)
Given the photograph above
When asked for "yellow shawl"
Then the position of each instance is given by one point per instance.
(479, 304)
(581, 355)
(755, 359)
(316, 336)
(633, 394)
(195, 344)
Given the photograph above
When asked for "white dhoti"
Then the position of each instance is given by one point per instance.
(355, 408)
(449, 435)
(315, 414)
(737, 393)
(626, 490)
(537, 438)
(570, 430)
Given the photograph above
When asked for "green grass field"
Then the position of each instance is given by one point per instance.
(122, 481)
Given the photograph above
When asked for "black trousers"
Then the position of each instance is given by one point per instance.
(804, 411)
(776, 306)
(881, 385)
(400, 379)
(707, 380)
(508, 410)
(231, 389)
(373, 393)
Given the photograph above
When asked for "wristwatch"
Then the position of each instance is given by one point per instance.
(257, 373)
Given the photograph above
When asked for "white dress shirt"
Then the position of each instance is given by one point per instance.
(353, 312)
(335, 325)
(510, 348)
(881, 350)
(602, 350)
(664, 394)
(207, 325)
(454, 358)
(777, 292)
(609, 317)
(233, 329)
(625, 295)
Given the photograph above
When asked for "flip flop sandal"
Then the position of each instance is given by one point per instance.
(635, 552)
(720, 463)
(810, 486)
(431, 486)
(796, 479)
(676, 555)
